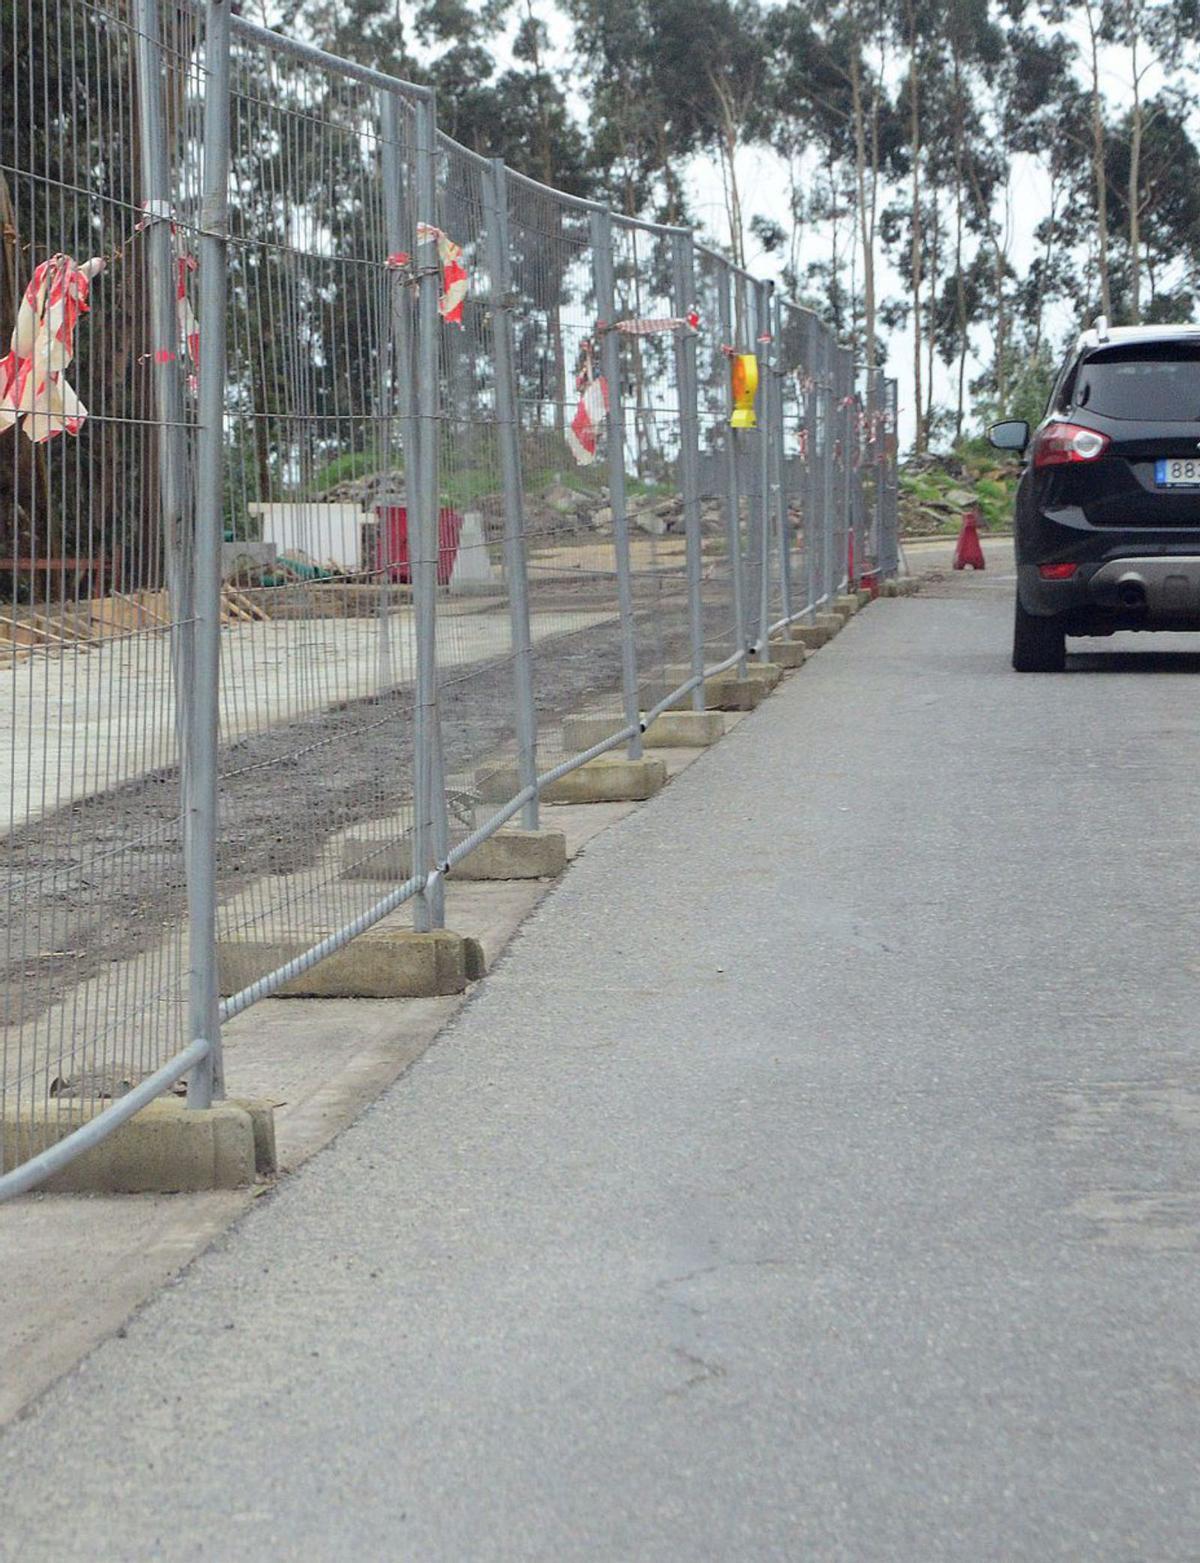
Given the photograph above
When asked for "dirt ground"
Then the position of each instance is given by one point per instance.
(97, 881)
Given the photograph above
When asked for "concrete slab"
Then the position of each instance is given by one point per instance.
(833, 622)
(847, 603)
(811, 636)
(865, 598)
(76, 1268)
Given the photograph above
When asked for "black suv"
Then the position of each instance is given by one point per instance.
(1107, 524)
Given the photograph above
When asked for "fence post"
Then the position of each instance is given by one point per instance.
(763, 347)
(779, 439)
(808, 395)
(865, 543)
(508, 433)
(830, 398)
(207, 1078)
(733, 500)
(610, 349)
(400, 357)
(891, 479)
(168, 394)
(687, 389)
(430, 828)
(846, 397)
(875, 444)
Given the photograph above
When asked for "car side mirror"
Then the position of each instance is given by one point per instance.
(1012, 434)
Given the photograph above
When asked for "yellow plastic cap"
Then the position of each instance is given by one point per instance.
(744, 373)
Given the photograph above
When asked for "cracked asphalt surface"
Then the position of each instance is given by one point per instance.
(815, 1178)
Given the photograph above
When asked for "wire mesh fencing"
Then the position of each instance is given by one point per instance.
(318, 645)
(357, 489)
(96, 426)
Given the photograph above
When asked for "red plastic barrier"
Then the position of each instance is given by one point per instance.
(391, 545)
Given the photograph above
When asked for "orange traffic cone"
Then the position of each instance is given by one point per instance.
(968, 551)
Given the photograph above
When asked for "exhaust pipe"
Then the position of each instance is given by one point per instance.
(1131, 590)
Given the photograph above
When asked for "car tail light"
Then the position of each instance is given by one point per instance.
(1059, 443)
(1057, 572)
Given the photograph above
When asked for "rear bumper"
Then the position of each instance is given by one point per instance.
(1132, 592)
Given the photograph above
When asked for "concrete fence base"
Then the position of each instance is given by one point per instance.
(788, 653)
(671, 730)
(166, 1148)
(611, 778)
(509, 854)
(388, 963)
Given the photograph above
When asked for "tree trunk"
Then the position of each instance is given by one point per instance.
(999, 267)
(1001, 332)
(866, 220)
(935, 270)
(914, 139)
(1099, 173)
(960, 292)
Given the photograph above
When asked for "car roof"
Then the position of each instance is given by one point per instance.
(1104, 335)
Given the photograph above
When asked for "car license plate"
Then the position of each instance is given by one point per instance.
(1178, 472)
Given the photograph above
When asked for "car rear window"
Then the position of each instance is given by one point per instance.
(1153, 382)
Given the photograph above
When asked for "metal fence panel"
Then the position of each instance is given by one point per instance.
(375, 464)
(99, 190)
(723, 587)
(320, 651)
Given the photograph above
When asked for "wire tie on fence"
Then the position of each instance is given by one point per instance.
(157, 211)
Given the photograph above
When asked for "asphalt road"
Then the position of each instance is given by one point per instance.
(816, 1178)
